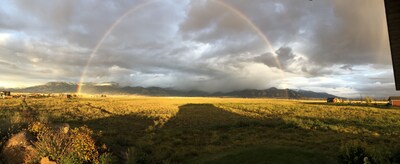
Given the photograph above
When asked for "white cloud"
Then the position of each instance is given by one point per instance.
(35, 60)
(4, 37)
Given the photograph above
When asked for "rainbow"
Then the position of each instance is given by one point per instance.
(136, 8)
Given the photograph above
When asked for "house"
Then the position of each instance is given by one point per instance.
(332, 100)
(5, 94)
(68, 96)
(394, 100)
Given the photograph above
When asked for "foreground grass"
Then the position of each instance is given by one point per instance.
(261, 154)
(209, 130)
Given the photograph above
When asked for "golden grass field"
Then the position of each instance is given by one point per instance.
(217, 130)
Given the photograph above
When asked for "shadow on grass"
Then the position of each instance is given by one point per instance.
(209, 117)
(118, 132)
(12, 120)
(203, 133)
(266, 154)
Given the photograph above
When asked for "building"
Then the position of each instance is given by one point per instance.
(392, 8)
(68, 96)
(394, 100)
(332, 100)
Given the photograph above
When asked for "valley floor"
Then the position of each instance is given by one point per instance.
(219, 130)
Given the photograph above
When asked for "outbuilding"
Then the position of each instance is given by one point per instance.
(332, 100)
(68, 96)
(394, 100)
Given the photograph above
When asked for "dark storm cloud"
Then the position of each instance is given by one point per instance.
(78, 22)
(357, 35)
(332, 32)
(221, 27)
(288, 61)
(218, 23)
(62, 33)
(284, 56)
(347, 67)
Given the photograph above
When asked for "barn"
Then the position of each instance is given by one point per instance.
(394, 100)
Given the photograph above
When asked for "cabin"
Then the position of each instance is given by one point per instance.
(394, 100)
(332, 100)
(68, 96)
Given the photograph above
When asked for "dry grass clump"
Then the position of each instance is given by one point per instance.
(19, 149)
(64, 146)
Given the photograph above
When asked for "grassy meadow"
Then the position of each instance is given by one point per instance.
(219, 130)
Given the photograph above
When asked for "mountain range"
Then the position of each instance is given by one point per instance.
(115, 88)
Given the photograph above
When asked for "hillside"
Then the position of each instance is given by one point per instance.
(115, 88)
(271, 92)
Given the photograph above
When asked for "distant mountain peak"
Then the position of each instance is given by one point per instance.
(107, 84)
(59, 83)
(115, 88)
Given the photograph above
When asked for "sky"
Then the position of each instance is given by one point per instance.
(335, 46)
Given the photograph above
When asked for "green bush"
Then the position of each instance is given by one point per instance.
(106, 158)
(353, 153)
(368, 100)
(358, 152)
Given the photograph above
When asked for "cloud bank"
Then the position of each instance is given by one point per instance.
(335, 46)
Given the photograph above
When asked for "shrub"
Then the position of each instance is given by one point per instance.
(75, 146)
(368, 100)
(106, 158)
(355, 152)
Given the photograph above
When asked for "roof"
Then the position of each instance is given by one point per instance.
(394, 98)
(393, 21)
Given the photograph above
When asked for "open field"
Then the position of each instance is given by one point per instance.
(217, 130)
